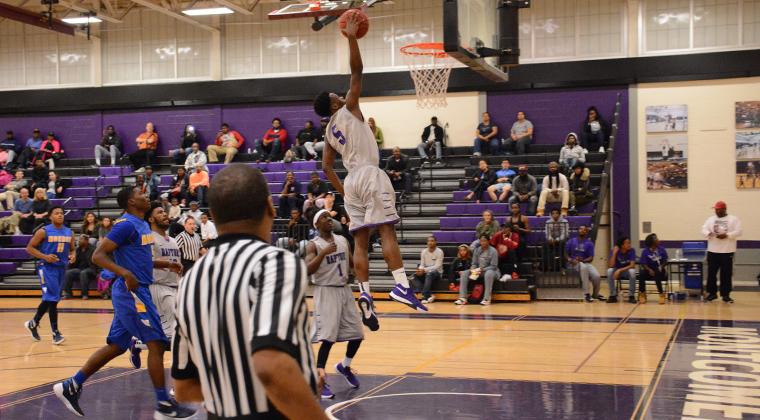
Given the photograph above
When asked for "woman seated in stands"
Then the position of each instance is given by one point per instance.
(521, 226)
(55, 186)
(594, 130)
(653, 261)
(488, 226)
(461, 263)
(485, 265)
(90, 227)
(483, 179)
(178, 189)
(580, 187)
(105, 228)
(40, 208)
(571, 153)
(50, 151)
(506, 243)
(622, 265)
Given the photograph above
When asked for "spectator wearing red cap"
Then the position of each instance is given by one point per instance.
(721, 231)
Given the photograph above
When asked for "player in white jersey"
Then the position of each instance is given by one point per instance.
(167, 268)
(368, 195)
(336, 319)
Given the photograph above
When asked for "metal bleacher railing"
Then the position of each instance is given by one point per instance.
(606, 172)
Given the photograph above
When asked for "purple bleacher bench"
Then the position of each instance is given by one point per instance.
(86, 192)
(117, 171)
(7, 268)
(14, 254)
(15, 241)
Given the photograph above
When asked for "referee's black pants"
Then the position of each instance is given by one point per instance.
(187, 265)
(723, 262)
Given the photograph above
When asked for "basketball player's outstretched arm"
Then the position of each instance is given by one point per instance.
(357, 67)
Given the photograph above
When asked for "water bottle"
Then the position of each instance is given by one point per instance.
(678, 254)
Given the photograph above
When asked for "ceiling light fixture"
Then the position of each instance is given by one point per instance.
(81, 20)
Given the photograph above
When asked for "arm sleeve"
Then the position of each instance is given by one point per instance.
(439, 134)
(182, 363)
(533, 187)
(122, 232)
(735, 230)
(283, 135)
(707, 228)
(279, 288)
(494, 265)
(425, 133)
(439, 261)
(565, 231)
(240, 139)
(563, 183)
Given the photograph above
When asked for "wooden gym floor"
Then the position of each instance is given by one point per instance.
(512, 360)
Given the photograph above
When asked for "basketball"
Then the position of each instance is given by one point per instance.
(363, 22)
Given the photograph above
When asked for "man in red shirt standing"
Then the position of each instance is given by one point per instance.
(506, 243)
(228, 142)
(271, 146)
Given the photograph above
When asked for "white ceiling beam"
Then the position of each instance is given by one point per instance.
(78, 8)
(153, 6)
(234, 6)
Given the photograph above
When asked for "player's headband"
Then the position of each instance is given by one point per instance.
(316, 217)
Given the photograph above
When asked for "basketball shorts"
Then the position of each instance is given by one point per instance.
(336, 316)
(370, 200)
(51, 280)
(165, 301)
(134, 315)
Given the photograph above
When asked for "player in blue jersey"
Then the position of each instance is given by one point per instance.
(53, 245)
(127, 252)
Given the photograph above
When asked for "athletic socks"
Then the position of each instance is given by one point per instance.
(399, 275)
(347, 361)
(79, 378)
(161, 394)
(364, 287)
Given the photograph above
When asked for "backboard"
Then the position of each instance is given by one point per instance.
(483, 34)
(318, 9)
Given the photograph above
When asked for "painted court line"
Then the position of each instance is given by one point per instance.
(342, 405)
(371, 392)
(593, 352)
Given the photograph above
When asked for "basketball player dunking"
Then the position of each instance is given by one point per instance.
(368, 194)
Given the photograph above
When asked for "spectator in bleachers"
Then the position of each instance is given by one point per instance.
(194, 212)
(198, 185)
(503, 183)
(190, 245)
(524, 189)
(30, 149)
(622, 266)
(315, 147)
(571, 153)
(11, 193)
(195, 157)
(521, 226)
(580, 256)
(153, 181)
(483, 179)
(110, 145)
(397, 168)
(308, 134)
(580, 187)
(505, 243)
(432, 138)
(106, 224)
(175, 211)
(82, 268)
(653, 262)
(271, 146)
(228, 143)
(521, 134)
(208, 230)
(485, 265)
(486, 136)
(339, 217)
(141, 184)
(147, 143)
(55, 186)
(40, 208)
(50, 151)
(555, 188)
(186, 141)
(290, 197)
(315, 193)
(377, 131)
(296, 233)
(90, 225)
(178, 188)
(594, 130)
(488, 226)
(23, 209)
(429, 270)
(461, 263)
(556, 232)
(12, 146)
(40, 175)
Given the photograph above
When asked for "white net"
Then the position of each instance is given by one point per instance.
(430, 68)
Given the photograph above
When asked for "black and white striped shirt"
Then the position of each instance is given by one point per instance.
(244, 295)
(189, 245)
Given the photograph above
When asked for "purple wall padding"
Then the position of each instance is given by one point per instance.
(556, 112)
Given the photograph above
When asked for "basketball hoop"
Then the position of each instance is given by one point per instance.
(430, 67)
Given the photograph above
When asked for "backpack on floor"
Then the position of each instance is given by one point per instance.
(105, 281)
(477, 293)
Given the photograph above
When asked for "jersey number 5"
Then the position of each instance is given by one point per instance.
(338, 135)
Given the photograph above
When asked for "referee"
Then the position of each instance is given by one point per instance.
(242, 344)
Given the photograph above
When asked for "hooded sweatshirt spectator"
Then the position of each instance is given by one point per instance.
(580, 186)
(571, 153)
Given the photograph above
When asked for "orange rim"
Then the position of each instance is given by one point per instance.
(431, 49)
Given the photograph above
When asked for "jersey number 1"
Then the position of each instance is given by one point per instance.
(340, 270)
